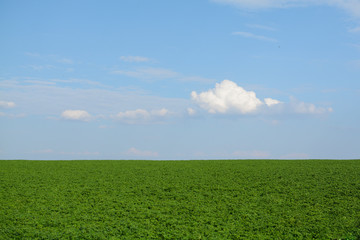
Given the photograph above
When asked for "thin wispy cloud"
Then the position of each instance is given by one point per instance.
(66, 61)
(32, 54)
(43, 151)
(262, 27)
(254, 36)
(350, 6)
(148, 73)
(40, 82)
(78, 81)
(53, 99)
(135, 59)
(197, 79)
(42, 67)
(11, 115)
(7, 104)
(355, 30)
(84, 153)
(251, 154)
(134, 152)
(49, 60)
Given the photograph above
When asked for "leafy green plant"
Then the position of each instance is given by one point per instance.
(227, 199)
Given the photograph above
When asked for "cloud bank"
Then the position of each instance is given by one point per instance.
(79, 115)
(141, 115)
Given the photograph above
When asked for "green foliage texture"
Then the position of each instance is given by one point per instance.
(222, 199)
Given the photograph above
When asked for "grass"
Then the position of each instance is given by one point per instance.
(227, 199)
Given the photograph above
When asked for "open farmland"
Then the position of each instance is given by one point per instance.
(228, 199)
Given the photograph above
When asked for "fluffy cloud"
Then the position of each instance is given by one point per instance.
(134, 59)
(191, 111)
(270, 102)
(79, 115)
(141, 115)
(228, 97)
(5, 104)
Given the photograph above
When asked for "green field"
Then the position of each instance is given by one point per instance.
(227, 199)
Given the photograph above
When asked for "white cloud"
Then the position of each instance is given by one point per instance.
(134, 59)
(41, 67)
(262, 27)
(50, 100)
(351, 6)
(148, 73)
(197, 79)
(66, 61)
(270, 102)
(140, 153)
(32, 54)
(191, 111)
(254, 36)
(80, 115)
(307, 108)
(141, 115)
(39, 82)
(48, 58)
(258, 4)
(43, 151)
(78, 81)
(162, 112)
(354, 30)
(251, 154)
(295, 156)
(9, 115)
(5, 104)
(134, 114)
(85, 153)
(227, 97)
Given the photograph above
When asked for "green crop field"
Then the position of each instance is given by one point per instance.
(227, 199)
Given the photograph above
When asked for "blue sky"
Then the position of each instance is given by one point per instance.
(232, 79)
